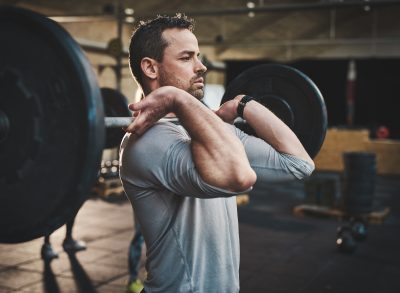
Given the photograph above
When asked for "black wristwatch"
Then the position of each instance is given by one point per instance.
(242, 103)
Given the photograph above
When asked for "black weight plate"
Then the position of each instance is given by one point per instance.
(291, 95)
(50, 157)
(115, 105)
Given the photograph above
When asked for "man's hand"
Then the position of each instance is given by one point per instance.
(151, 109)
(228, 110)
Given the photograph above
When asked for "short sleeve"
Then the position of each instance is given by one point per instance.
(162, 158)
(271, 165)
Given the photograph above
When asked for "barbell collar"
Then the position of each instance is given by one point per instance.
(4, 125)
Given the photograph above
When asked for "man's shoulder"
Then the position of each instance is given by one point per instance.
(159, 135)
(162, 129)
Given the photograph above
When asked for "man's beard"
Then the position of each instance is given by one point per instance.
(194, 91)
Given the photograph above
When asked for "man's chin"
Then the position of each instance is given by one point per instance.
(198, 94)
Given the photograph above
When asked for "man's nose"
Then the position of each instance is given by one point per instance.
(200, 67)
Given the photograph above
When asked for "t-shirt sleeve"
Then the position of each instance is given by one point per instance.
(271, 165)
(162, 158)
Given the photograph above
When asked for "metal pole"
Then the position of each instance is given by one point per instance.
(350, 92)
(280, 7)
(118, 66)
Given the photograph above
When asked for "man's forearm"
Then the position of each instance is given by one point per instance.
(267, 126)
(218, 154)
(274, 131)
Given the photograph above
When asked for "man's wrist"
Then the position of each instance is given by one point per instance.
(242, 104)
(177, 99)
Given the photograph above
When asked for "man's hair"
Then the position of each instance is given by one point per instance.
(147, 41)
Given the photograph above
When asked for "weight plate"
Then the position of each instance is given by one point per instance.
(52, 150)
(115, 105)
(291, 95)
(114, 47)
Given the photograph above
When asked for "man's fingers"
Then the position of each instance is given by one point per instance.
(131, 107)
(139, 125)
(146, 112)
(136, 106)
(225, 114)
(139, 116)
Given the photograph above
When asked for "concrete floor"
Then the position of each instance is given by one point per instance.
(107, 230)
(280, 252)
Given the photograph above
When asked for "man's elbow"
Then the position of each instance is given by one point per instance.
(312, 165)
(308, 166)
(307, 170)
(244, 180)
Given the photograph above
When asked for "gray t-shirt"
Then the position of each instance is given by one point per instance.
(190, 227)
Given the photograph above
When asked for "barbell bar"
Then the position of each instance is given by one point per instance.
(120, 122)
(54, 122)
(109, 122)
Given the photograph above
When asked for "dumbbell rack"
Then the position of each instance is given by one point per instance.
(357, 185)
(374, 217)
(108, 184)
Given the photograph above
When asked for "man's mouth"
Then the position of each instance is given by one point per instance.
(199, 81)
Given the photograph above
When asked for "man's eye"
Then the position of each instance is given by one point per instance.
(186, 58)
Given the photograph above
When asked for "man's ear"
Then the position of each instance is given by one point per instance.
(149, 67)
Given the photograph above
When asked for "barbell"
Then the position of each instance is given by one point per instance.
(53, 124)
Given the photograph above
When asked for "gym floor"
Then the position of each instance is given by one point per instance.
(280, 252)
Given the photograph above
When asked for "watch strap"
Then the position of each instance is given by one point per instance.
(242, 103)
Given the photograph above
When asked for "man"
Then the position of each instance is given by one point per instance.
(182, 179)
(135, 252)
(70, 245)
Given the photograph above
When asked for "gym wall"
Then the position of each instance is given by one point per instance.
(376, 89)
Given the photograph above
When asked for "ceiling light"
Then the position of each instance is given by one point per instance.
(129, 11)
(129, 19)
(251, 5)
